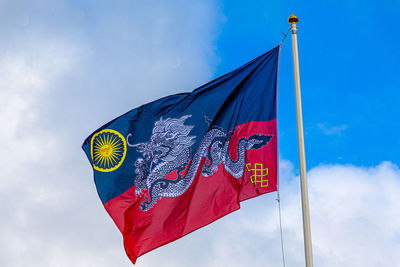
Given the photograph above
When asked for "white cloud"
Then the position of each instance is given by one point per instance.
(332, 130)
(25, 78)
(59, 81)
(358, 214)
(354, 219)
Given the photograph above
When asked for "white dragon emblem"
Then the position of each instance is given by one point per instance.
(169, 150)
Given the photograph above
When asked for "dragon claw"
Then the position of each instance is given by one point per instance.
(143, 206)
(139, 192)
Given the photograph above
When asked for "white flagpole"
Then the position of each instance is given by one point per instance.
(303, 174)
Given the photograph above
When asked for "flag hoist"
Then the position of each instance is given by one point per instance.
(303, 174)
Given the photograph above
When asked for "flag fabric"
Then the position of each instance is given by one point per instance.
(171, 166)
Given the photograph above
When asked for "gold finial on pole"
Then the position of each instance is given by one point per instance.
(293, 19)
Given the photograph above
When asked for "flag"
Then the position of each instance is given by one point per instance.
(171, 166)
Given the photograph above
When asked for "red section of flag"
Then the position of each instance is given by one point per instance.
(206, 200)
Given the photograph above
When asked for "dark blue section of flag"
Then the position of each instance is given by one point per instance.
(243, 95)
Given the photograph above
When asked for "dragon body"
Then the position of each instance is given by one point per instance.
(169, 150)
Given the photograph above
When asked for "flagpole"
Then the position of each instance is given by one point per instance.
(303, 174)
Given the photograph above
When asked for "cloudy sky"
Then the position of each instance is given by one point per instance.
(67, 67)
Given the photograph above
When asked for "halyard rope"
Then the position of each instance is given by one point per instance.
(280, 226)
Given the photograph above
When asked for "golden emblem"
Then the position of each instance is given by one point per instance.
(108, 150)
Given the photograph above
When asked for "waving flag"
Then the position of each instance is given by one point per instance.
(171, 166)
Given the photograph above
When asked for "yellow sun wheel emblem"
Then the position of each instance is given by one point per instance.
(108, 150)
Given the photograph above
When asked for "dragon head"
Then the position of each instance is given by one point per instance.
(169, 137)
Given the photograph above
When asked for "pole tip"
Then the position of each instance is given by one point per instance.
(293, 19)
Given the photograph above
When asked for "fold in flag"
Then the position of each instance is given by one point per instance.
(171, 166)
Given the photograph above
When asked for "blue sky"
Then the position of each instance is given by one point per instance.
(67, 67)
(349, 74)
